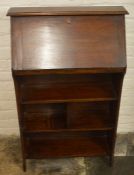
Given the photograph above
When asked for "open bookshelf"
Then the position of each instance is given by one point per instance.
(68, 65)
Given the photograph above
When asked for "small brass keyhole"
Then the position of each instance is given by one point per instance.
(68, 20)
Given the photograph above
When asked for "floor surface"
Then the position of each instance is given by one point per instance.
(11, 163)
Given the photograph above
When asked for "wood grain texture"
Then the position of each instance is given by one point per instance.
(63, 43)
(92, 10)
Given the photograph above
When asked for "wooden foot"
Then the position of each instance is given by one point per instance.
(111, 161)
(24, 165)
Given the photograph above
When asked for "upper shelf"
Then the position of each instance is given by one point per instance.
(93, 90)
(92, 10)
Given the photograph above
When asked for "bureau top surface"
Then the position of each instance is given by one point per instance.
(92, 10)
(68, 42)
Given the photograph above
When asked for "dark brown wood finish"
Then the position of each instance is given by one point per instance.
(68, 65)
(67, 42)
(41, 11)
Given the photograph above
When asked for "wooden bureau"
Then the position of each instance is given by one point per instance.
(68, 65)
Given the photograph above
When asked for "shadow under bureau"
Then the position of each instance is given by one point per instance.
(68, 65)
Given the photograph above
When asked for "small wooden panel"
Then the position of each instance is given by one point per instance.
(44, 117)
(42, 122)
(93, 146)
(68, 42)
(48, 109)
(34, 11)
(89, 116)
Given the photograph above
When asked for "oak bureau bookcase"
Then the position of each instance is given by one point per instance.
(68, 65)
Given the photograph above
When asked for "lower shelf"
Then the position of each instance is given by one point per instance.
(45, 148)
